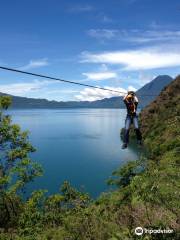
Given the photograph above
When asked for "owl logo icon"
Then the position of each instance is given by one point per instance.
(138, 231)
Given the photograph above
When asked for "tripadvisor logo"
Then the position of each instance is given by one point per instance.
(139, 231)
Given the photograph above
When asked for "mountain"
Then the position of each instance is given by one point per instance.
(150, 91)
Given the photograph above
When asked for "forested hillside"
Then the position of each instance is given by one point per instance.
(147, 194)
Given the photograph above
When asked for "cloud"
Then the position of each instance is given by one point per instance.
(35, 64)
(100, 75)
(137, 36)
(81, 8)
(20, 89)
(140, 59)
(102, 33)
(154, 36)
(104, 18)
(90, 94)
(55, 94)
(131, 88)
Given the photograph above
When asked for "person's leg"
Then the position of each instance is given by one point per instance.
(126, 131)
(137, 130)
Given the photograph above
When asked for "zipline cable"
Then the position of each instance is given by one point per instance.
(58, 79)
(62, 80)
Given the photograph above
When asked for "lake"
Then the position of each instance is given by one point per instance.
(82, 146)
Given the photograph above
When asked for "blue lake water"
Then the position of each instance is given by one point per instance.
(82, 146)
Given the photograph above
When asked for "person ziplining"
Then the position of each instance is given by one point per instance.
(131, 102)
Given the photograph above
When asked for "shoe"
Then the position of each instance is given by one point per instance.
(124, 145)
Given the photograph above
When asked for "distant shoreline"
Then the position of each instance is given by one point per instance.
(65, 108)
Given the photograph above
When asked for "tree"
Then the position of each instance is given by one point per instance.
(16, 168)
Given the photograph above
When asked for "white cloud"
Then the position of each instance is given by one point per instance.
(137, 36)
(91, 94)
(81, 8)
(103, 33)
(60, 91)
(141, 59)
(154, 36)
(20, 89)
(103, 68)
(60, 94)
(100, 75)
(131, 88)
(35, 64)
(104, 18)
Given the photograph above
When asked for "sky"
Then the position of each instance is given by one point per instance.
(117, 44)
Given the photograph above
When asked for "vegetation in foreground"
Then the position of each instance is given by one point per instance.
(147, 196)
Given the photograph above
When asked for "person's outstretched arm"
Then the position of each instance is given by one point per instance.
(125, 98)
(136, 101)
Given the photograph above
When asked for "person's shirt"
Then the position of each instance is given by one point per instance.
(131, 105)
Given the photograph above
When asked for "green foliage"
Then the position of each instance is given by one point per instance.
(125, 174)
(5, 102)
(73, 197)
(30, 220)
(16, 168)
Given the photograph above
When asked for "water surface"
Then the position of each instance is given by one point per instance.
(82, 146)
